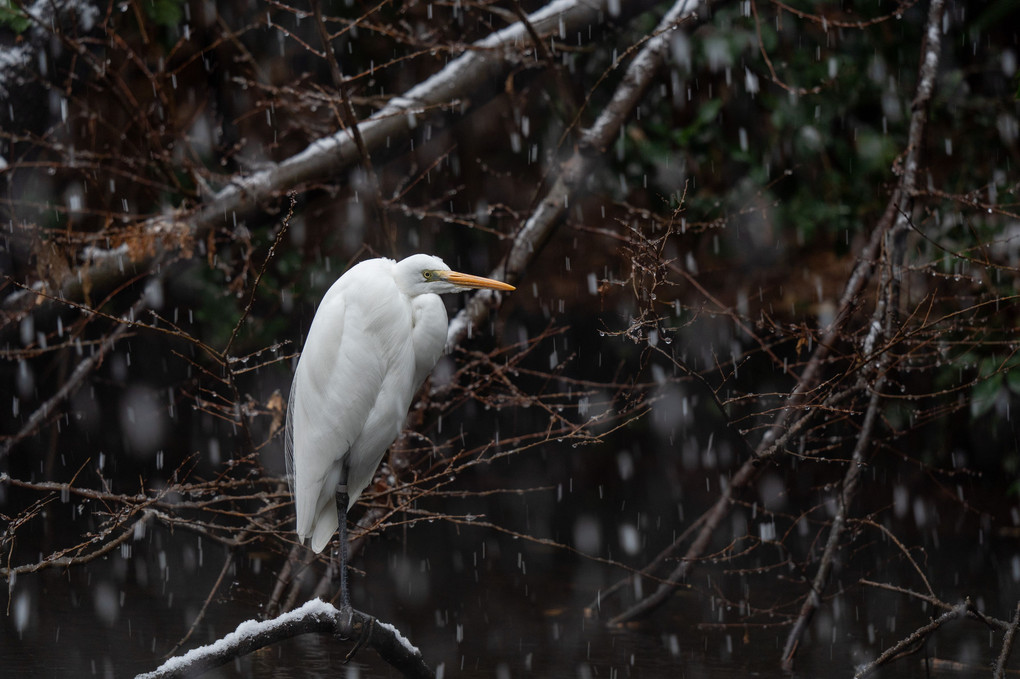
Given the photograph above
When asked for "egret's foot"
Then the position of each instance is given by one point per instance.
(353, 625)
(363, 628)
(346, 627)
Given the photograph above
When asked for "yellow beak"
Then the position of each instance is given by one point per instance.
(466, 280)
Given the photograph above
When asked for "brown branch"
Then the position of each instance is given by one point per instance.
(547, 214)
(882, 323)
(779, 432)
(839, 523)
(70, 385)
(927, 598)
(799, 91)
(562, 90)
(323, 158)
(9, 572)
(648, 571)
(227, 563)
(284, 224)
(902, 7)
(350, 121)
(903, 548)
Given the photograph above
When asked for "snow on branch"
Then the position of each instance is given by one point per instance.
(594, 141)
(459, 79)
(316, 616)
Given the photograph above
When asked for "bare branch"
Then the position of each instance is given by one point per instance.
(1007, 645)
(81, 371)
(780, 431)
(327, 156)
(546, 215)
(915, 640)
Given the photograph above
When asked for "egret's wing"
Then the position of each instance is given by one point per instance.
(407, 338)
(383, 364)
(320, 422)
(288, 437)
(338, 384)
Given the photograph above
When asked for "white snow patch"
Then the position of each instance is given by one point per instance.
(46, 11)
(245, 630)
(12, 60)
(251, 628)
(400, 637)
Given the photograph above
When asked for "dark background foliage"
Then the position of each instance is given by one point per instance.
(658, 337)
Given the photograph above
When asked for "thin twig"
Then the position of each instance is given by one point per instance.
(350, 120)
(81, 371)
(284, 224)
(227, 563)
(839, 523)
(68, 561)
(914, 641)
(1007, 645)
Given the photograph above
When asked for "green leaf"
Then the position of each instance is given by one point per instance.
(1014, 489)
(1013, 380)
(13, 18)
(165, 12)
(707, 114)
(985, 395)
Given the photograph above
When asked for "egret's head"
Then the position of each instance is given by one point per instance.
(420, 274)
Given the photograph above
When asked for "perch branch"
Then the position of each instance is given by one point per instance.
(314, 617)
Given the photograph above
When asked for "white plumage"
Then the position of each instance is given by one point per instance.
(378, 332)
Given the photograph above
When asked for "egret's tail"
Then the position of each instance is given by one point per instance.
(324, 527)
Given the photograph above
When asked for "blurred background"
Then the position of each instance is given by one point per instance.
(657, 338)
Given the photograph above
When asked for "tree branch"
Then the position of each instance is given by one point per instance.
(914, 640)
(894, 221)
(1007, 645)
(167, 235)
(316, 617)
(883, 323)
(81, 371)
(539, 226)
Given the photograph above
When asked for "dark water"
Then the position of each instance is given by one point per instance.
(481, 603)
(484, 606)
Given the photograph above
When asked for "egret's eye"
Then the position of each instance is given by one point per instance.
(427, 275)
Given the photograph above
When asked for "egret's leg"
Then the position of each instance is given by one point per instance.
(347, 626)
(341, 516)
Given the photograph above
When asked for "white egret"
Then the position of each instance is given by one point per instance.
(377, 334)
